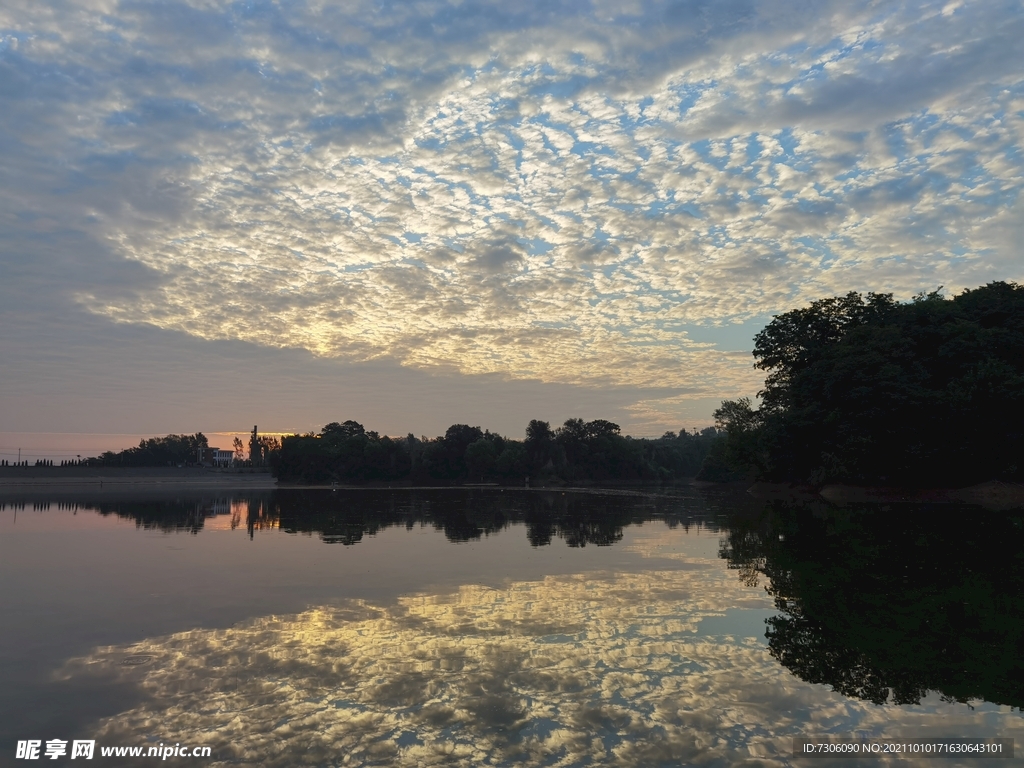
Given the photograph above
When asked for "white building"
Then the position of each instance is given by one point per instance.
(218, 458)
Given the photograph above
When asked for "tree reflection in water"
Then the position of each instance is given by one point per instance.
(888, 603)
(346, 516)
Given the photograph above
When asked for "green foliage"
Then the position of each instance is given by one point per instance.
(589, 452)
(342, 453)
(540, 444)
(743, 451)
(481, 458)
(877, 392)
(595, 450)
(510, 465)
(156, 452)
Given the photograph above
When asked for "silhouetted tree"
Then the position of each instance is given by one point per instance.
(540, 441)
(874, 391)
(156, 452)
(591, 452)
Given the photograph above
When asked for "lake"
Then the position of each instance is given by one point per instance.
(482, 626)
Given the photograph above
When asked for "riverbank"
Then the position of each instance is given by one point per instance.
(992, 494)
(19, 479)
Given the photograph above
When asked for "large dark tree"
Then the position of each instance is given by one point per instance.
(870, 390)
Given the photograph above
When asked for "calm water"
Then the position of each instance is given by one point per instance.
(488, 627)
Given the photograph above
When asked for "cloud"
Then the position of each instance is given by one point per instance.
(541, 191)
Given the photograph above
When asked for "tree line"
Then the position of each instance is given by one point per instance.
(171, 450)
(578, 451)
(184, 450)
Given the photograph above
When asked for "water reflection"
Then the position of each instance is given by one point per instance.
(890, 603)
(162, 512)
(576, 518)
(571, 670)
(866, 621)
(346, 517)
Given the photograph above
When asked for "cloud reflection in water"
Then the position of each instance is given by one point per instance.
(609, 669)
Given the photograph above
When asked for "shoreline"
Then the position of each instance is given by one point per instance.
(92, 478)
(992, 494)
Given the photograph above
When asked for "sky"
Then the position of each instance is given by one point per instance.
(219, 214)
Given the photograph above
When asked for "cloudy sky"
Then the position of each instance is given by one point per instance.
(215, 214)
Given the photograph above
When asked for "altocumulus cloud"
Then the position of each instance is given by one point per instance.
(551, 191)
